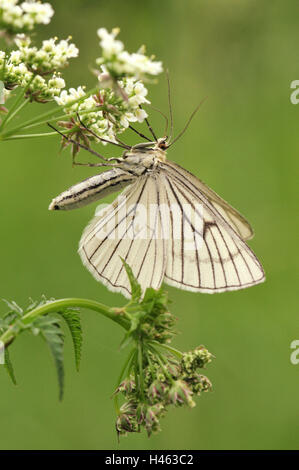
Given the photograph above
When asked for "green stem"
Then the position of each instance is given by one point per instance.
(43, 116)
(140, 366)
(161, 361)
(12, 109)
(15, 107)
(28, 136)
(59, 118)
(61, 304)
(19, 108)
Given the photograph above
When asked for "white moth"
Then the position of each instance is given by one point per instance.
(216, 257)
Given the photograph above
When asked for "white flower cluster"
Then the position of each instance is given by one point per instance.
(119, 62)
(50, 57)
(18, 17)
(15, 73)
(107, 113)
(28, 66)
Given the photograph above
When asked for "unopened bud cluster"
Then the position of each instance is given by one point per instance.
(166, 382)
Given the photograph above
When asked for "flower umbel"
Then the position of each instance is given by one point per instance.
(118, 62)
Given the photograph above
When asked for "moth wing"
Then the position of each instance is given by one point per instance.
(229, 213)
(216, 259)
(129, 228)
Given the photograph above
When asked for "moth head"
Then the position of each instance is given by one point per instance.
(162, 143)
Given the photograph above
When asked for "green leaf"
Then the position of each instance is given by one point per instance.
(51, 331)
(9, 367)
(74, 323)
(136, 291)
(154, 301)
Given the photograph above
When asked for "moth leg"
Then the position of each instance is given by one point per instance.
(92, 164)
(78, 144)
(119, 144)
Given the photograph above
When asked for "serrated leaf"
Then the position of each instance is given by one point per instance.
(9, 367)
(50, 330)
(74, 323)
(136, 291)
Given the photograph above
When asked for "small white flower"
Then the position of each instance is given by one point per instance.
(15, 57)
(67, 97)
(56, 82)
(41, 13)
(141, 114)
(126, 118)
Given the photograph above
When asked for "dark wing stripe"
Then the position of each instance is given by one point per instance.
(222, 245)
(218, 217)
(230, 255)
(195, 231)
(106, 278)
(196, 191)
(202, 235)
(119, 222)
(214, 198)
(219, 255)
(172, 233)
(162, 229)
(246, 264)
(182, 233)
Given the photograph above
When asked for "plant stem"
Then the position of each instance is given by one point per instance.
(28, 136)
(61, 304)
(140, 365)
(62, 116)
(15, 107)
(161, 361)
(12, 109)
(19, 108)
(50, 113)
(122, 373)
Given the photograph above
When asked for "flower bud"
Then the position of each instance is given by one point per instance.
(180, 394)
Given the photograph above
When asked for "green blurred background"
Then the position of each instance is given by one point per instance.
(243, 56)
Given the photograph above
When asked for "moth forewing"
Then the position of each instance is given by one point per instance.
(109, 238)
(92, 189)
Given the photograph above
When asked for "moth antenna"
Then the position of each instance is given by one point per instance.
(78, 143)
(124, 146)
(164, 115)
(169, 105)
(139, 133)
(188, 122)
(149, 127)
